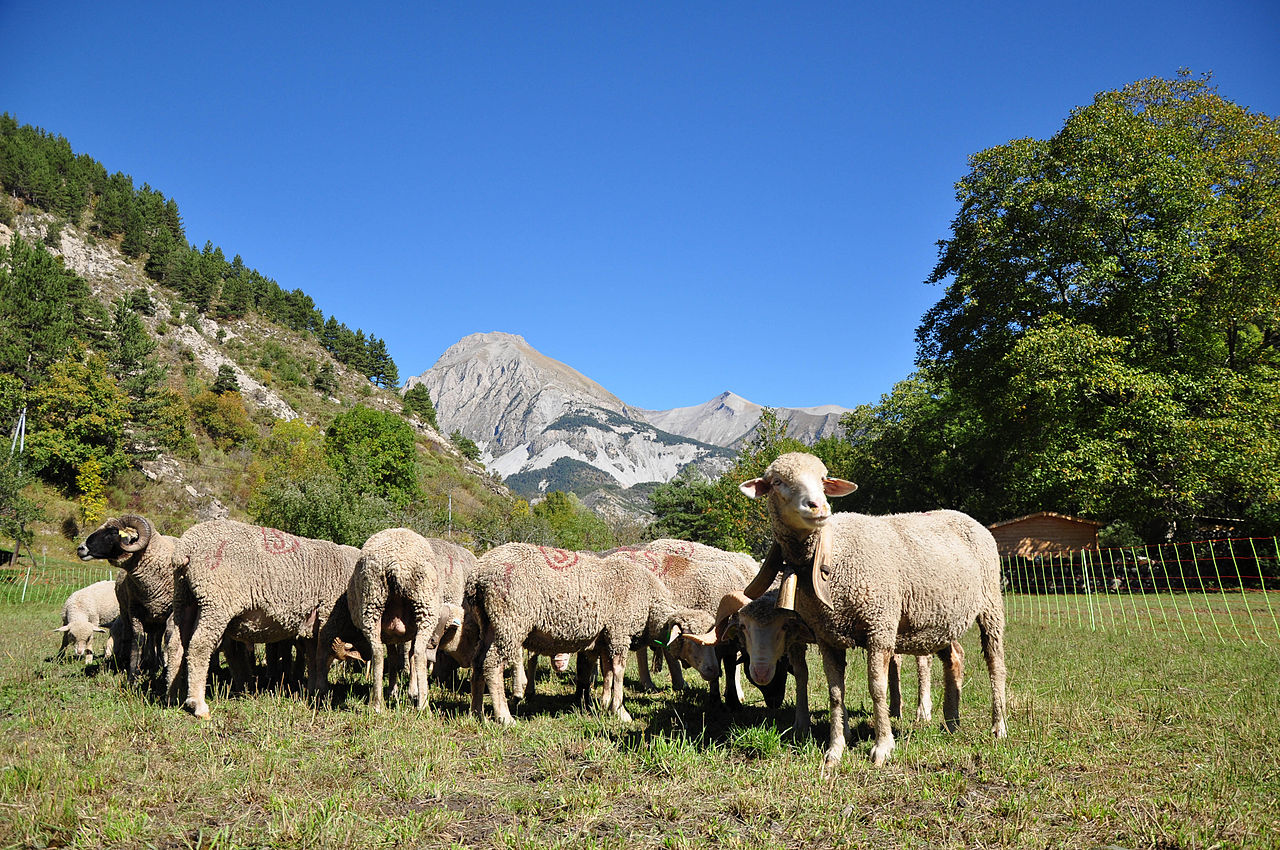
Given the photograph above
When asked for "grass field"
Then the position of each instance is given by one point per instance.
(1131, 740)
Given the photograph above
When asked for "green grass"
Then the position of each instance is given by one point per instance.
(1115, 740)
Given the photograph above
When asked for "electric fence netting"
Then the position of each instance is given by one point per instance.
(1218, 590)
(39, 578)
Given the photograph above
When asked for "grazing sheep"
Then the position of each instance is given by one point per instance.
(698, 576)
(396, 596)
(251, 584)
(89, 610)
(775, 641)
(145, 592)
(552, 601)
(906, 583)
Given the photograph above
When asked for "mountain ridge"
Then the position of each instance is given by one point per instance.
(540, 423)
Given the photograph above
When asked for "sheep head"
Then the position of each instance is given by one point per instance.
(797, 487)
(117, 538)
(765, 631)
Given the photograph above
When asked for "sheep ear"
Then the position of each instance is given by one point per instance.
(797, 628)
(65, 628)
(100, 629)
(675, 633)
(837, 487)
(755, 488)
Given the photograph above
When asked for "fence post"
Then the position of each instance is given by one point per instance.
(29, 566)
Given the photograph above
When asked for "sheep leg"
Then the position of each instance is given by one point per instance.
(205, 637)
(530, 676)
(833, 663)
(878, 660)
(136, 646)
(924, 692)
(504, 653)
(895, 686)
(614, 684)
(585, 676)
(520, 679)
(732, 679)
(953, 675)
(991, 625)
(800, 669)
(421, 652)
(642, 662)
(677, 672)
(178, 630)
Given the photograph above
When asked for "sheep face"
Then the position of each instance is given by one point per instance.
(765, 632)
(797, 486)
(116, 539)
(700, 657)
(81, 635)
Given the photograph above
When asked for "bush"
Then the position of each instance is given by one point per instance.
(468, 448)
(223, 418)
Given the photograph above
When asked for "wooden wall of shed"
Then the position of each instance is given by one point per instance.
(1042, 535)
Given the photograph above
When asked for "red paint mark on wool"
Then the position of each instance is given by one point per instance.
(276, 542)
(558, 559)
(215, 560)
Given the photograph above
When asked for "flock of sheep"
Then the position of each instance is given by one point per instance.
(905, 584)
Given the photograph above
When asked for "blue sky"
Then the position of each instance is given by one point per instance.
(673, 198)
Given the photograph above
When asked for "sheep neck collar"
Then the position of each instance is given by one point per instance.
(811, 552)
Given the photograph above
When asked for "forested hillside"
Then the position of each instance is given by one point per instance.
(141, 374)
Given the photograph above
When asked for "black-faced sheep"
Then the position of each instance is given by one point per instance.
(906, 583)
(145, 593)
(553, 601)
(251, 584)
(88, 611)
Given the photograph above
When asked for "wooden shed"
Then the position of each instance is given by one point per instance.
(1044, 533)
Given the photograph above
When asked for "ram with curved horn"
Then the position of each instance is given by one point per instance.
(145, 592)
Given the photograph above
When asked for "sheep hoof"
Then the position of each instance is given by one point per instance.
(1000, 730)
(880, 753)
(199, 708)
(624, 715)
(924, 714)
(830, 762)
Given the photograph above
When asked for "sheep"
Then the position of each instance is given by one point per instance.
(89, 610)
(251, 584)
(776, 641)
(909, 583)
(698, 576)
(145, 592)
(552, 601)
(396, 596)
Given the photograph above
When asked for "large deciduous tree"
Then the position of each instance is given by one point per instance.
(1112, 311)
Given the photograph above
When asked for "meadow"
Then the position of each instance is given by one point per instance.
(1116, 739)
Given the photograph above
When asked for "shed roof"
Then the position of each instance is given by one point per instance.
(1051, 514)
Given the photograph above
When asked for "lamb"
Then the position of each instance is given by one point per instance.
(776, 641)
(908, 583)
(252, 584)
(145, 593)
(552, 601)
(397, 596)
(698, 576)
(89, 610)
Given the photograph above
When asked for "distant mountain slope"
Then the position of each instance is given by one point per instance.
(729, 420)
(543, 425)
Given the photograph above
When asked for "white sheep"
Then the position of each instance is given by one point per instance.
(772, 635)
(906, 583)
(86, 612)
(145, 593)
(553, 601)
(698, 576)
(396, 596)
(251, 584)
